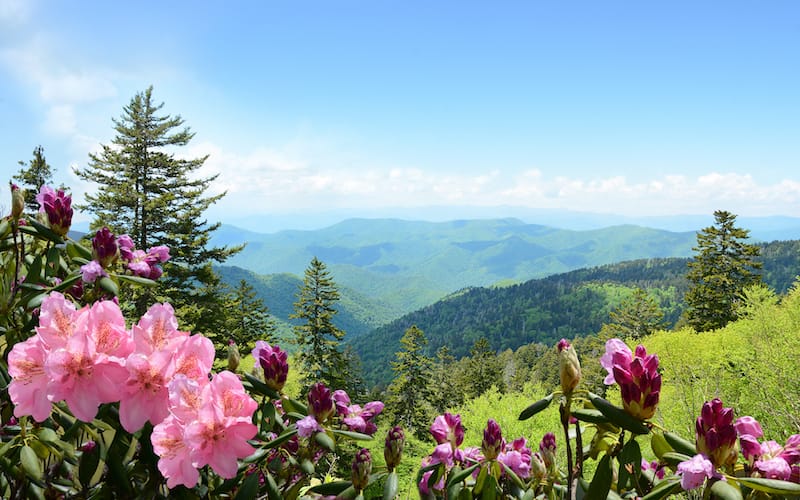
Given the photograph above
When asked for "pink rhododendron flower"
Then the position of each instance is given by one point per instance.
(342, 401)
(694, 472)
(194, 357)
(145, 396)
(773, 468)
(360, 419)
(307, 426)
(28, 388)
(158, 330)
(518, 457)
(617, 352)
(748, 425)
(105, 326)
(82, 378)
(447, 428)
(56, 320)
(92, 271)
(173, 462)
(751, 448)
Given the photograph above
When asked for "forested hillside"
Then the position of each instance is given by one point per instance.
(566, 305)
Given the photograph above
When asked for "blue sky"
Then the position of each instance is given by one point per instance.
(633, 108)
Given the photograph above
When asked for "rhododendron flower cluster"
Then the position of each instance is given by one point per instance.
(87, 357)
(107, 248)
(355, 417)
(274, 364)
(715, 434)
(637, 376)
(768, 459)
(448, 432)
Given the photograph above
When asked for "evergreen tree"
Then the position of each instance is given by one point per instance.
(722, 267)
(484, 369)
(637, 316)
(153, 196)
(317, 337)
(32, 176)
(410, 393)
(448, 394)
(248, 320)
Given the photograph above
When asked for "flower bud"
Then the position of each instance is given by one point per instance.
(492, 443)
(104, 247)
(17, 201)
(569, 368)
(274, 363)
(538, 467)
(715, 434)
(393, 447)
(362, 468)
(547, 449)
(320, 402)
(58, 207)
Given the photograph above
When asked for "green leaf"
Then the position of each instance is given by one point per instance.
(724, 490)
(331, 488)
(590, 415)
(629, 457)
(30, 462)
(489, 491)
(680, 445)
(88, 466)
(461, 475)
(294, 405)
(273, 492)
(664, 489)
(67, 283)
(536, 407)
(618, 416)
(108, 285)
(36, 228)
(601, 482)
(262, 388)
(53, 260)
(357, 436)
(659, 445)
(325, 441)
(5, 227)
(281, 439)
(674, 458)
(34, 275)
(47, 435)
(248, 489)
(75, 249)
(137, 280)
(390, 486)
(772, 486)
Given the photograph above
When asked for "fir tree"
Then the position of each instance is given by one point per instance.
(153, 196)
(32, 176)
(317, 336)
(409, 392)
(484, 369)
(723, 266)
(637, 316)
(247, 320)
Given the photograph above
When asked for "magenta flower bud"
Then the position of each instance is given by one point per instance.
(748, 425)
(638, 379)
(17, 201)
(447, 428)
(320, 402)
(715, 434)
(362, 468)
(393, 447)
(538, 467)
(57, 205)
(547, 449)
(569, 368)
(88, 446)
(274, 363)
(492, 443)
(104, 247)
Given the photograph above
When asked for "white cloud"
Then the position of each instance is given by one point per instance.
(275, 181)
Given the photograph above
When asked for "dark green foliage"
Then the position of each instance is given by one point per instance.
(447, 392)
(637, 316)
(147, 192)
(543, 311)
(247, 320)
(317, 337)
(484, 369)
(411, 390)
(724, 264)
(32, 176)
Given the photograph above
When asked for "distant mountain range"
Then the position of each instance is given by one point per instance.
(404, 265)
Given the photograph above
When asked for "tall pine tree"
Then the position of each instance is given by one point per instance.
(317, 336)
(144, 190)
(32, 176)
(409, 392)
(723, 266)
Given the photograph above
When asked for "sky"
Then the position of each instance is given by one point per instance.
(381, 107)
